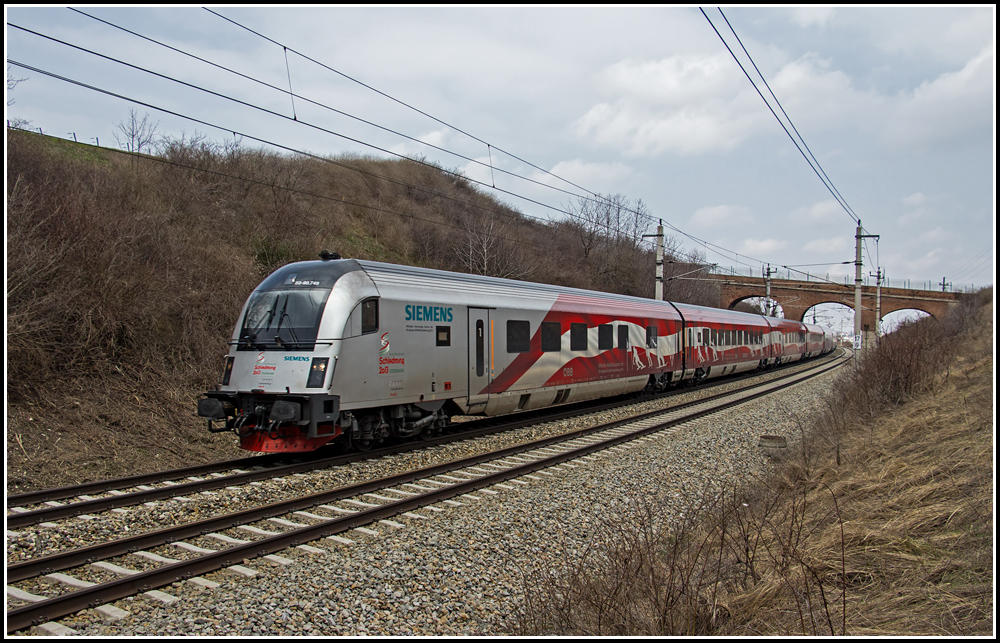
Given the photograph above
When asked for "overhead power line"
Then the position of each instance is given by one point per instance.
(276, 114)
(817, 169)
(511, 215)
(652, 219)
(738, 258)
(394, 99)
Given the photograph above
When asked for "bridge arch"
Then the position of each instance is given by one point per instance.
(797, 297)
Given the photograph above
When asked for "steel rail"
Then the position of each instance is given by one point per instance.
(75, 557)
(59, 606)
(487, 426)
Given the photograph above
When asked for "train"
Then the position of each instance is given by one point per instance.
(356, 353)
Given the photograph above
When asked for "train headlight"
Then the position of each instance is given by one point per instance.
(317, 373)
(227, 373)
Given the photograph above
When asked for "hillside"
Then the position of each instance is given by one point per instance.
(126, 273)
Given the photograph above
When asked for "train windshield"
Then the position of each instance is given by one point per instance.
(283, 319)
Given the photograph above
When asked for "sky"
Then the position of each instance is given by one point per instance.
(897, 105)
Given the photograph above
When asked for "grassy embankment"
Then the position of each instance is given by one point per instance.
(880, 523)
(125, 277)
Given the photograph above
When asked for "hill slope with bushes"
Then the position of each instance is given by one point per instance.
(126, 273)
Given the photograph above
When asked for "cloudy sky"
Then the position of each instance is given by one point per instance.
(897, 105)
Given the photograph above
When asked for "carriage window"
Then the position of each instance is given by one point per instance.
(369, 316)
(578, 337)
(650, 336)
(623, 337)
(605, 337)
(551, 336)
(518, 336)
(480, 348)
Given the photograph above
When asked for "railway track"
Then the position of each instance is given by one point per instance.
(46, 506)
(328, 513)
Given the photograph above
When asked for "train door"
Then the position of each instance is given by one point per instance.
(479, 358)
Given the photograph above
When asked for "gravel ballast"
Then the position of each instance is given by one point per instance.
(457, 571)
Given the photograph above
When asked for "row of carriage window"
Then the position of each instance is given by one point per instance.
(519, 337)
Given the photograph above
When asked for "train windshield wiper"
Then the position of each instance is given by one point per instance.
(291, 330)
(251, 337)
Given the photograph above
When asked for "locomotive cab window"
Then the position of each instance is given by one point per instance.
(369, 316)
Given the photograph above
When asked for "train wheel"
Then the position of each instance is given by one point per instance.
(365, 438)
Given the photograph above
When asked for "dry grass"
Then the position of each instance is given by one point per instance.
(881, 524)
(107, 426)
(125, 277)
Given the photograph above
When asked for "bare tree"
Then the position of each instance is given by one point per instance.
(136, 135)
(610, 229)
(11, 84)
(15, 122)
(685, 276)
(490, 249)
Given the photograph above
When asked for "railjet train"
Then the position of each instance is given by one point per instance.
(360, 352)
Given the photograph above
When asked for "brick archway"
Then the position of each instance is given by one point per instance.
(797, 297)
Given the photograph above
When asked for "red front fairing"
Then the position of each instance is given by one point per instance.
(289, 440)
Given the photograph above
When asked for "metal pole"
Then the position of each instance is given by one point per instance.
(878, 304)
(659, 262)
(767, 292)
(857, 288)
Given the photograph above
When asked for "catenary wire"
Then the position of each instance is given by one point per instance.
(721, 251)
(792, 138)
(707, 245)
(288, 149)
(840, 198)
(600, 199)
(325, 130)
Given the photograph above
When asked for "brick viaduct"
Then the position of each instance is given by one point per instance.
(796, 297)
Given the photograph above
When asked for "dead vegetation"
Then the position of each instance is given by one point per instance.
(126, 273)
(880, 524)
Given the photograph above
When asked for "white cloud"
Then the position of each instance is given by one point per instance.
(950, 35)
(822, 211)
(598, 177)
(950, 107)
(762, 247)
(917, 198)
(724, 217)
(828, 246)
(685, 104)
(935, 235)
(809, 16)
(817, 96)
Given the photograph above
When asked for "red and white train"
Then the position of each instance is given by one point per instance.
(360, 351)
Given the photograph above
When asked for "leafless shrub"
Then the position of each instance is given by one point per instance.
(869, 526)
(654, 574)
